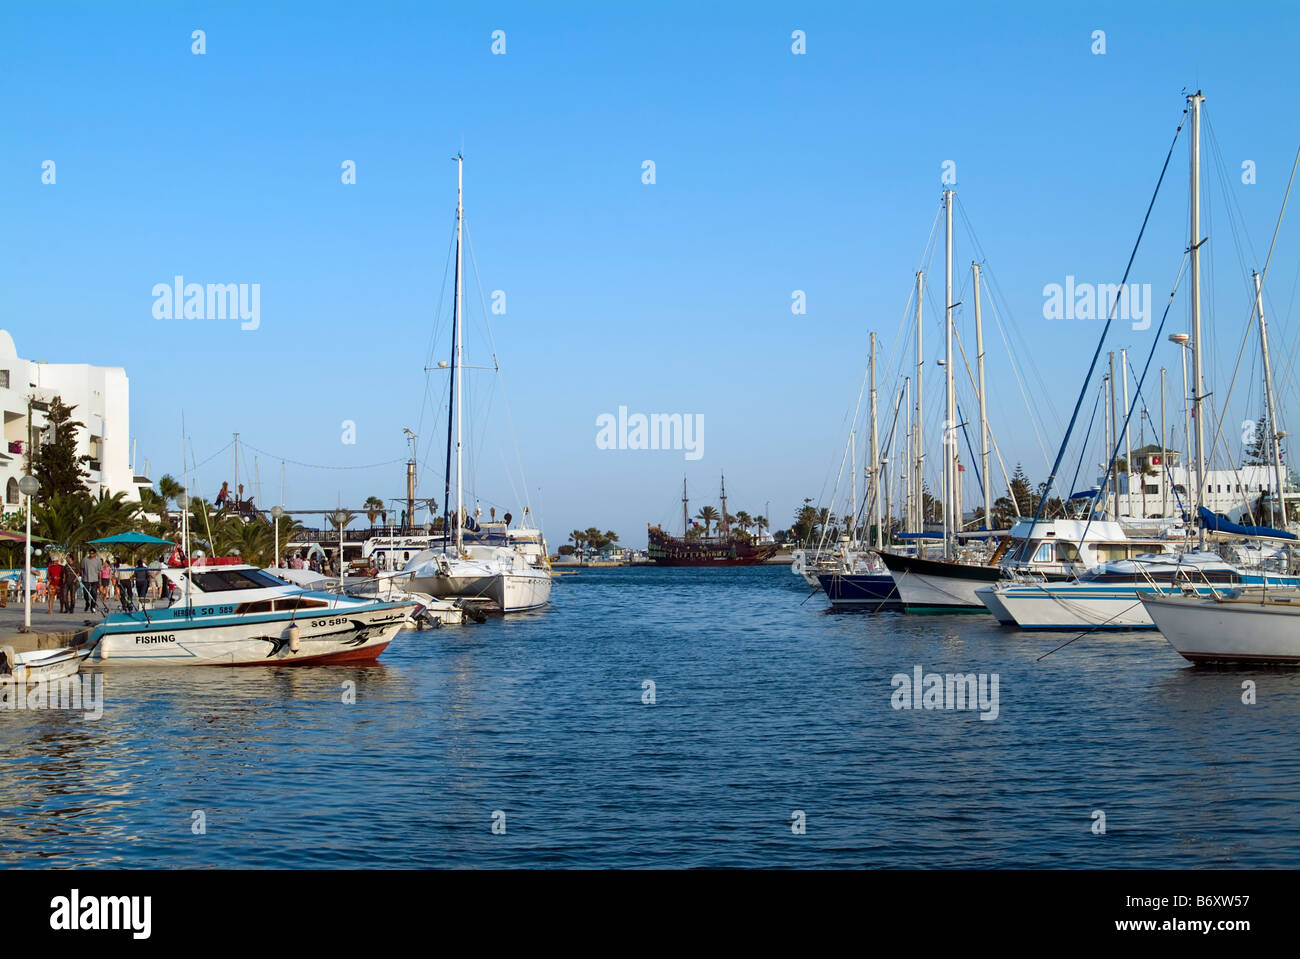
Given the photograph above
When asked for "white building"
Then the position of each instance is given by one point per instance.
(100, 396)
(1165, 485)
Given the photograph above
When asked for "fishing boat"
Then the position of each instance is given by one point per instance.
(1244, 626)
(240, 615)
(40, 665)
(725, 549)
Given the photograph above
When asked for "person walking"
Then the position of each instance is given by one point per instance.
(92, 568)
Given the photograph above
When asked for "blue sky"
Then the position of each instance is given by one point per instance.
(775, 172)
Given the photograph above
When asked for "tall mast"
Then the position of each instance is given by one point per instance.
(1273, 437)
(951, 522)
(1198, 384)
(909, 504)
(726, 527)
(1128, 449)
(853, 484)
(920, 413)
(984, 412)
(460, 348)
(1103, 495)
(874, 468)
(1112, 443)
(686, 519)
(1164, 460)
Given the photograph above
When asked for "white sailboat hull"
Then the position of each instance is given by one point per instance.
(1238, 631)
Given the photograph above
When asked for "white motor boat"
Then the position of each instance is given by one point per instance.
(239, 615)
(1250, 626)
(40, 665)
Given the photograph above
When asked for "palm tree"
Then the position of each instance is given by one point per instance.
(745, 521)
(169, 490)
(709, 515)
(374, 506)
(74, 520)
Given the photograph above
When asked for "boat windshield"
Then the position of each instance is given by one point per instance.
(225, 580)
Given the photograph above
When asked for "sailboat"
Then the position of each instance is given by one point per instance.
(1245, 626)
(498, 574)
(1126, 594)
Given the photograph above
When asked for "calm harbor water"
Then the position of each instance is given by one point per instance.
(764, 704)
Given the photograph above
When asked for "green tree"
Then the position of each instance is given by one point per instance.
(374, 507)
(56, 464)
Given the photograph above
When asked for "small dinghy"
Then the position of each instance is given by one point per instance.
(40, 664)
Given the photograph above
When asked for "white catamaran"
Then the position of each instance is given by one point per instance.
(513, 576)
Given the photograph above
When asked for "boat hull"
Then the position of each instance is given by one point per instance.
(341, 635)
(44, 664)
(932, 586)
(861, 590)
(519, 592)
(1231, 631)
(1101, 606)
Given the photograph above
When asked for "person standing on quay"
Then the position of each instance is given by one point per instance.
(53, 576)
(91, 569)
(68, 586)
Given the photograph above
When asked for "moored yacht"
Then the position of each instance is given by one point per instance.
(1049, 549)
(1245, 626)
(1106, 596)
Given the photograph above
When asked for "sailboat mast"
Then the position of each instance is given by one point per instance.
(1273, 443)
(1198, 383)
(951, 522)
(1128, 449)
(984, 412)
(686, 519)
(909, 504)
(874, 468)
(853, 485)
(1164, 460)
(1112, 442)
(920, 411)
(460, 348)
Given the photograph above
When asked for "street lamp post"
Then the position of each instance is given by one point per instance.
(29, 486)
(276, 513)
(340, 517)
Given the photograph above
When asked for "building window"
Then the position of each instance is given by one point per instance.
(11, 491)
(4, 379)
